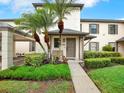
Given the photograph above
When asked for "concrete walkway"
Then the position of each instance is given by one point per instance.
(82, 83)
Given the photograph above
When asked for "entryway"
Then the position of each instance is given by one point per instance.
(71, 48)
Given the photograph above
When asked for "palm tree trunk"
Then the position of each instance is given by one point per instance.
(37, 39)
(61, 28)
(46, 39)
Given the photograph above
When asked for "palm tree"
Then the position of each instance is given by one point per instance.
(28, 22)
(47, 19)
(42, 19)
(61, 9)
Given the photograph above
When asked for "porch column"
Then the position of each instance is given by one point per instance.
(7, 49)
(14, 48)
(82, 48)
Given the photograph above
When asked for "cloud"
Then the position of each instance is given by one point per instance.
(91, 3)
(20, 6)
(23, 5)
(5, 1)
(121, 19)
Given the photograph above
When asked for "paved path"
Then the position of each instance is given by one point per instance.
(82, 83)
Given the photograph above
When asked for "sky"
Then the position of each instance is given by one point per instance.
(93, 9)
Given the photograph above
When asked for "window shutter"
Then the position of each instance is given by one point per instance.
(97, 28)
(97, 46)
(116, 29)
(109, 29)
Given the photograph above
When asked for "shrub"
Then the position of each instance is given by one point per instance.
(44, 72)
(119, 60)
(35, 59)
(97, 62)
(93, 54)
(107, 48)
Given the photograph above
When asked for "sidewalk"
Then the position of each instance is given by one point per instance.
(82, 82)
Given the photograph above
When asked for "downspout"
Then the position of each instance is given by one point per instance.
(83, 48)
(79, 48)
(116, 46)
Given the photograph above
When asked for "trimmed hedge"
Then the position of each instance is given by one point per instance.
(93, 54)
(107, 48)
(119, 60)
(97, 62)
(34, 59)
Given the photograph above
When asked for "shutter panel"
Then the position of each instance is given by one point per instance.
(116, 29)
(97, 28)
(109, 29)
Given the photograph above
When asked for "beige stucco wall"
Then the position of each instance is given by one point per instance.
(72, 21)
(21, 47)
(103, 37)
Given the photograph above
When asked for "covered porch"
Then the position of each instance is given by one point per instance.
(72, 43)
(120, 46)
(8, 37)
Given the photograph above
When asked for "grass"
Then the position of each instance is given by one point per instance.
(60, 87)
(35, 87)
(45, 72)
(20, 86)
(109, 79)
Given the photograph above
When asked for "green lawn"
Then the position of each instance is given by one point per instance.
(36, 87)
(109, 79)
(45, 72)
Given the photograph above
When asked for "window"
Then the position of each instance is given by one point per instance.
(113, 44)
(113, 29)
(56, 42)
(32, 46)
(94, 28)
(94, 46)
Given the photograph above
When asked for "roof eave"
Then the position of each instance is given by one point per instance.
(73, 5)
(7, 20)
(102, 20)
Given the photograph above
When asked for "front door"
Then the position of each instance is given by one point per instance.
(71, 47)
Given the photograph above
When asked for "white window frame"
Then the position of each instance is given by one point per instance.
(96, 47)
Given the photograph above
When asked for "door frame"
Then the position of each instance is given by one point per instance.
(75, 47)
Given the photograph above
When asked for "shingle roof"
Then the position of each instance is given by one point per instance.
(7, 20)
(5, 26)
(120, 40)
(72, 5)
(89, 37)
(102, 20)
(83, 20)
(72, 33)
(68, 32)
